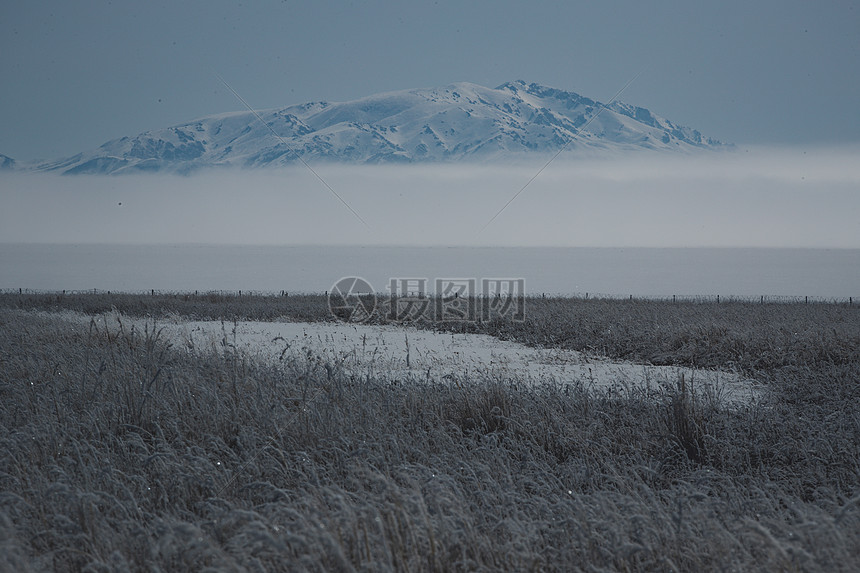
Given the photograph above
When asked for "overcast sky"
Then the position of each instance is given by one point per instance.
(76, 74)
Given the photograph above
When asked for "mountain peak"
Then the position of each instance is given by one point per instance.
(460, 121)
(513, 85)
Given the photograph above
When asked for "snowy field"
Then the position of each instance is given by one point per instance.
(397, 353)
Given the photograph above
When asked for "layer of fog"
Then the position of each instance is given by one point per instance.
(747, 197)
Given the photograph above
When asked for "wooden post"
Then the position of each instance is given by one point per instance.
(762, 299)
(718, 299)
(673, 299)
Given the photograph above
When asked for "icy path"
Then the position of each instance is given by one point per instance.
(397, 352)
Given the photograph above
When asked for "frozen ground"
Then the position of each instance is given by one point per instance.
(397, 353)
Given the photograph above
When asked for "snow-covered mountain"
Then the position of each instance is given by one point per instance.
(461, 121)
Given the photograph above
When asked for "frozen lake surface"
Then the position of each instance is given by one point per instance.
(397, 353)
(662, 272)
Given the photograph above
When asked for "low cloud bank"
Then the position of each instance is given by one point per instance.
(752, 197)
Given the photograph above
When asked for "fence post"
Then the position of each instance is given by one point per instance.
(718, 299)
(762, 299)
(806, 300)
(673, 298)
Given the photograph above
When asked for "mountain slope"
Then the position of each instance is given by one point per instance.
(459, 122)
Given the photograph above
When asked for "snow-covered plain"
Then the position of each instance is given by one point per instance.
(398, 353)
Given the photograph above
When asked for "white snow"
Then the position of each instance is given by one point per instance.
(467, 117)
(396, 353)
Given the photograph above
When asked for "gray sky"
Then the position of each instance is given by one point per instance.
(76, 74)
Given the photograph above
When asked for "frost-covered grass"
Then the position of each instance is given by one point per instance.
(750, 337)
(120, 452)
(202, 306)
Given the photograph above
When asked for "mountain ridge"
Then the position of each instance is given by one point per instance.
(458, 122)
